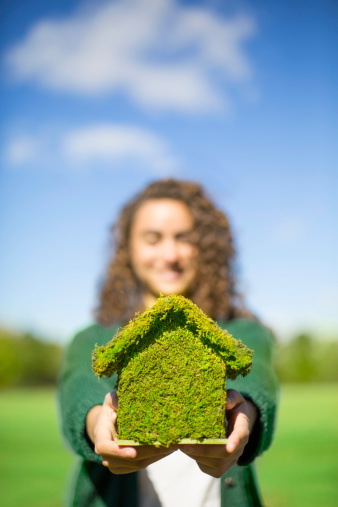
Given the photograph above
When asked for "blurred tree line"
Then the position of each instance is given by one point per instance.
(306, 359)
(26, 360)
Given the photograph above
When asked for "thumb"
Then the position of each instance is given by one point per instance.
(233, 398)
(115, 400)
(111, 400)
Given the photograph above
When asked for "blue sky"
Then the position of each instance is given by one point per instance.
(100, 98)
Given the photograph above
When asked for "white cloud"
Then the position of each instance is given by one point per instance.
(21, 150)
(100, 145)
(159, 53)
(111, 143)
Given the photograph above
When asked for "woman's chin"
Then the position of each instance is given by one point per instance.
(170, 288)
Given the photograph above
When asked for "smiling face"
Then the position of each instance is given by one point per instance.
(162, 255)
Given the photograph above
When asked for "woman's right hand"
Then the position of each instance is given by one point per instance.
(100, 426)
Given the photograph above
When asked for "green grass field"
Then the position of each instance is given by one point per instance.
(33, 461)
(301, 469)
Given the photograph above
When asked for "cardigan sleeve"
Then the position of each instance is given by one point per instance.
(79, 389)
(260, 385)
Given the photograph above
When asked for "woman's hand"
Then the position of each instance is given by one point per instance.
(216, 460)
(100, 425)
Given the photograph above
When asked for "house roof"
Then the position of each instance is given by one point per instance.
(168, 313)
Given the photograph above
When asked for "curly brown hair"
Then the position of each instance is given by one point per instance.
(214, 289)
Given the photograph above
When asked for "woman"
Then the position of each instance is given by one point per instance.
(170, 239)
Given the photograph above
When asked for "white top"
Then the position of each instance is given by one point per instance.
(176, 481)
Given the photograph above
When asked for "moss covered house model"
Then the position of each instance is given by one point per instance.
(172, 362)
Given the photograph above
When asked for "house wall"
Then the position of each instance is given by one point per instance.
(172, 390)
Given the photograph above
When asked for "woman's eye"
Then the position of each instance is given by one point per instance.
(185, 238)
(151, 238)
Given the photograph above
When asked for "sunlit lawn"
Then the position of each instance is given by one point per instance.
(33, 461)
(301, 469)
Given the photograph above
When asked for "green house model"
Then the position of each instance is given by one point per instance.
(172, 362)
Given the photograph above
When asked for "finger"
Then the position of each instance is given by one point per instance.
(152, 452)
(105, 433)
(239, 436)
(214, 463)
(129, 465)
(203, 450)
(217, 473)
(111, 400)
(122, 471)
(117, 462)
(111, 450)
(233, 398)
(107, 447)
(232, 415)
(115, 400)
(108, 417)
(105, 426)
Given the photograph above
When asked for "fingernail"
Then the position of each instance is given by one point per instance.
(230, 447)
(128, 453)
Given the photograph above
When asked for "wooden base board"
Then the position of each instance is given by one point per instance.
(208, 441)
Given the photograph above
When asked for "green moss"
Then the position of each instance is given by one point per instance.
(168, 313)
(172, 363)
(182, 397)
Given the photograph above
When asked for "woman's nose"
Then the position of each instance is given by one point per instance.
(170, 251)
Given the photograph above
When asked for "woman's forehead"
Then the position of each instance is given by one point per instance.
(157, 213)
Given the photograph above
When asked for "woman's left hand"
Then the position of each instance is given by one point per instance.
(216, 460)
